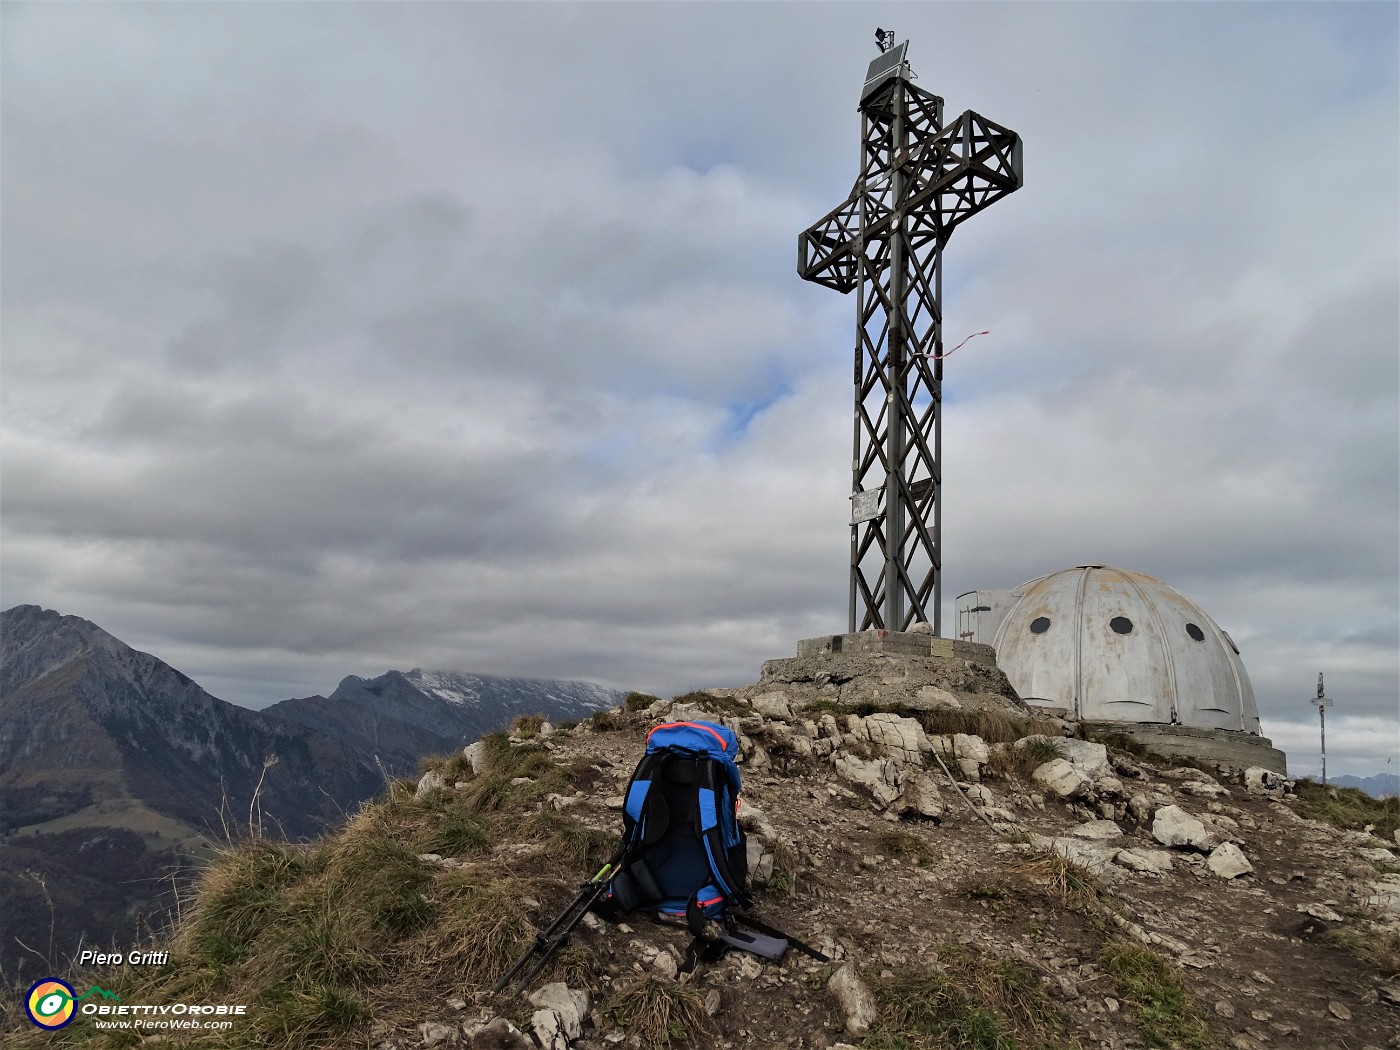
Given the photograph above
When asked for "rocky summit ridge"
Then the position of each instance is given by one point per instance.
(979, 877)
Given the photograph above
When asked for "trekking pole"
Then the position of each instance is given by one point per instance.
(549, 939)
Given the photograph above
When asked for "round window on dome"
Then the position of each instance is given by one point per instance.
(1195, 632)
(1121, 625)
(1040, 625)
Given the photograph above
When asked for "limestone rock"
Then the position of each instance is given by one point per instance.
(1058, 777)
(1228, 861)
(1099, 830)
(475, 754)
(1385, 894)
(773, 705)
(1204, 789)
(548, 1029)
(1140, 807)
(687, 713)
(1090, 856)
(1145, 861)
(980, 795)
(435, 1033)
(499, 1034)
(1110, 786)
(1319, 911)
(753, 820)
(971, 747)
(903, 737)
(1261, 781)
(931, 698)
(857, 1003)
(760, 860)
(569, 1005)
(879, 776)
(1173, 826)
(921, 797)
(1376, 855)
(430, 781)
(1087, 757)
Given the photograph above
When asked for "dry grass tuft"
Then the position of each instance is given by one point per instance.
(660, 1013)
(481, 927)
(313, 934)
(526, 726)
(1062, 881)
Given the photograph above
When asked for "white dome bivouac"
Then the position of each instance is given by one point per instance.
(1112, 645)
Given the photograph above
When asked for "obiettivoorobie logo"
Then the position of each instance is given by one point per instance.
(51, 1003)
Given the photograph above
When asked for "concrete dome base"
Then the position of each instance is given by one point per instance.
(1218, 746)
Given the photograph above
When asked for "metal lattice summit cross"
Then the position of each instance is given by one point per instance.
(919, 179)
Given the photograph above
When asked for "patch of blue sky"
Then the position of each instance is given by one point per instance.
(740, 414)
(1257, 40)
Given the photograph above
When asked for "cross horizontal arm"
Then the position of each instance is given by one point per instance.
(972, 163)
(827, 251)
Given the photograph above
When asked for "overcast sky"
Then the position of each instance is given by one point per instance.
(342, 338)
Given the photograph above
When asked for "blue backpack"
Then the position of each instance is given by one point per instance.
(683, 852)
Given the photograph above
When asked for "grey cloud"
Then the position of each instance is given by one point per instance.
(346, 337)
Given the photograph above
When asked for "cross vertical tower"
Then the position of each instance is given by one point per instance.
(918, 180)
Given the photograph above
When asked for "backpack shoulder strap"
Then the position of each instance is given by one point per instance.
(713, 792)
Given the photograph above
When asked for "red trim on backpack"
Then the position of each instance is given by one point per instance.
(724, 746)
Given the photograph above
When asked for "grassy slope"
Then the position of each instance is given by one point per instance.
(331, 937)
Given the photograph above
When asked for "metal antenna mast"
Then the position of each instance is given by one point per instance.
(918, 180)
(1322, 702)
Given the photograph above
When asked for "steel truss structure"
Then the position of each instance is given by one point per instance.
(919, 179)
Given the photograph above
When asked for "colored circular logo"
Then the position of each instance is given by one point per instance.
(50, 1003)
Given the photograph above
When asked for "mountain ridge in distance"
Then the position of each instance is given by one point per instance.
(118, 771)
(1378, 785)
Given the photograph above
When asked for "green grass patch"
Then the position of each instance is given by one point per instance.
(240, 894)
(452, 768)
(494, 791)
(453, 833)
(1349, 808)
(1377, 948)
(994, 727)
(575, 850)
(634, 701)
(908, 845)
(660, 1013)
(310, 1014)
(527, 726)
(1153, 987)
(970, 1001)
(1022, 761)
(605, 722)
